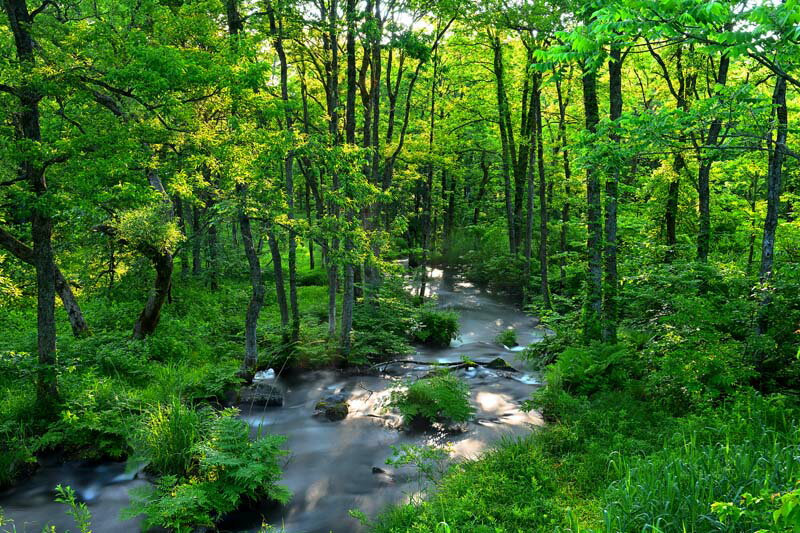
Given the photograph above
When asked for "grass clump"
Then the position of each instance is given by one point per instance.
(440, 397)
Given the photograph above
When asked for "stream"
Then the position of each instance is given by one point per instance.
(333, 467)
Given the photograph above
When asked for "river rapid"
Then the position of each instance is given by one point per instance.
(333, 467)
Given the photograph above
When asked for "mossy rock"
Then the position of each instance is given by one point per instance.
(498, 363)
(333, 407)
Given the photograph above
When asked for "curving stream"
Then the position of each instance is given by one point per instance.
(333, 466)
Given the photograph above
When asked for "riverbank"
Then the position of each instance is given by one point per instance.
(333, 467)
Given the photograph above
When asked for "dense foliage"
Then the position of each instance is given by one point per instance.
(439, 397)
(195, 190)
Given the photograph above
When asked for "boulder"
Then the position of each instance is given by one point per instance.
(261, 393)
(498, 363)
(333, 407)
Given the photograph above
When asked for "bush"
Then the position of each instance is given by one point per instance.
(436, 328)
(225, 469)
(439, 397)
(589, 369)
(16, 460)
(309, 278)
(507, 337)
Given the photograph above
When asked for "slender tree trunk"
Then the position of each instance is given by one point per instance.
(184, 252)
(565, 209)
(671, 212)
(332, 72)
(257, 290)
(276, 29)
(502, 108)
(197, 242)
(427, 215)
(774, 178)
(529, 223)
(481, 189)
(594, 281)
(704, 172)
(537, 112)
(33, 172)
(348, 296)
(612, 187)
(213, 255)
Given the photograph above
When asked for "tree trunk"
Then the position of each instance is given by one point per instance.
(277, 267)
(197, 243)
(704, 172)
(562, 132)
(33, 172)
(537, 112)
(276, 29)
(257, 291)
(151, 314)
(506, 142)
(184, 252)
(594, 281)
(774, 178)
(612, 187)
(213, 255)
(671, 212)
(481, 189)
(162, 261)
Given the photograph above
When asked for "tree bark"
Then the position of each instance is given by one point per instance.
(704, 172)
(612, 187)
(543, 219)
(565, 209)
(33, 172)
(276, 29)
(594, 281)
(348, 296)
(257, 290)
(162, 261)
(774, 178)
(506, 142)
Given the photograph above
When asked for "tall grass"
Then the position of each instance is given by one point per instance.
(753, 448)
(166, 438)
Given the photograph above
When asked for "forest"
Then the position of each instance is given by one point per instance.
(451, 266)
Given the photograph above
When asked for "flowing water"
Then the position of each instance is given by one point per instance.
(334, 467)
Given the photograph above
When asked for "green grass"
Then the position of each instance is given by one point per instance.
(616, 463)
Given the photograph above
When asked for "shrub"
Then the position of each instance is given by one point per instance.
(226, 470)
(381, 326)
(589, 369)
(436, 328)
(439, 397)
(309, 278)
(507, 337)
(16, 459)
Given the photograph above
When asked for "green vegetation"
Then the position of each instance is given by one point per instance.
(220, 468)
(192, 191)
(507, 337)
(439, 397)
(436, 328)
